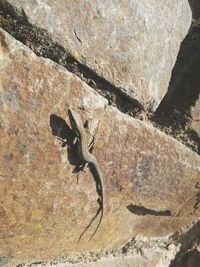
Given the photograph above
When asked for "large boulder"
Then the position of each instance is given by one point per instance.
(150, 179)
(133, 44)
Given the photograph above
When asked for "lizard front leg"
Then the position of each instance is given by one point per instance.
(91, 128)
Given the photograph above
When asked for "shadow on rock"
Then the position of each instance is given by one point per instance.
(141, 210)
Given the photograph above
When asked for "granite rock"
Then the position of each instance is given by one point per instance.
(133, 44)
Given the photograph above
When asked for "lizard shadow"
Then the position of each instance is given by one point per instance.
(66, 135)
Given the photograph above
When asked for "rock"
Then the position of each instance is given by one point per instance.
(150, 178)
(195, 6)
(134, 44)
(196, 117)
(183, 91)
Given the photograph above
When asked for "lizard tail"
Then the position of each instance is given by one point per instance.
(99, 209)
(98, 223)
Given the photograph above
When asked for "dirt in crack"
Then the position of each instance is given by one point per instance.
(42, 44)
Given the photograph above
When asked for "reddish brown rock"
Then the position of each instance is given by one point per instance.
(150, 179)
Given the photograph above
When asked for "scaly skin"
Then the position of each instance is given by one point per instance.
(86, 156)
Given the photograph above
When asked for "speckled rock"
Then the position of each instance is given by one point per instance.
(150, 179)
(195, 6)
(183, 93)
(134, 44)
(196, 117)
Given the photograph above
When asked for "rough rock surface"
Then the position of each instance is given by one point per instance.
(183, 93)
(150, 178)
(133, 44)
(195, 6)
(196, 117)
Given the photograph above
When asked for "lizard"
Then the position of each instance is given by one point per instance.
(87, 157)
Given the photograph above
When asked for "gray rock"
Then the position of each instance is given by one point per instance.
(133, 44)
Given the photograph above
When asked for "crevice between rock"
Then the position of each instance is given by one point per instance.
(42, 44)
(189, 253)
(174, 114)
